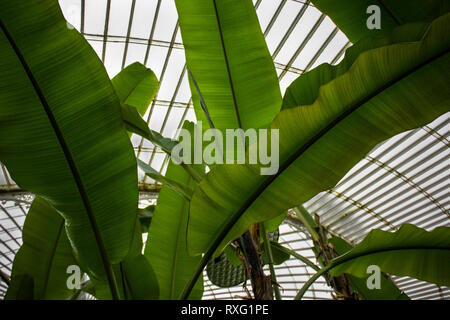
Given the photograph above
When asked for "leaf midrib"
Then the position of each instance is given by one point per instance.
(391, 13)
(177, 244)
(68, 156)
(227, 65)
(51, 258)
(137, 129)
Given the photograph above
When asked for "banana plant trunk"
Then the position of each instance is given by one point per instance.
(261, 283)
(325, 249)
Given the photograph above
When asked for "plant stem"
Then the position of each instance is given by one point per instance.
(268, 250)
(305, 217)
(299, 257)
(194, 174)
(311, 281)
(261, 284)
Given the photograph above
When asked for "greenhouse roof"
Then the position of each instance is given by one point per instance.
(402, 180)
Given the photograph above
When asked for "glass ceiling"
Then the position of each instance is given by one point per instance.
(402, 180)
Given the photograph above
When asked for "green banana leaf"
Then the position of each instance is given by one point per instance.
(145, 217)
(136, 277)
(45, 253)
(305, 89)
(410, 251)
(136, 86)
(388, 290)
(62, 132)
(181, 189)
(307, 220)
(166, 248)
(233, 255)
(134, 123)
(351, 16)
(22, 288)
(140, 278)
(240, 90)
(279, 256)
(388, 90)
(273, 224)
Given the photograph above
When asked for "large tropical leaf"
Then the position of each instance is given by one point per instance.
(227, 55)
(140, 278)
(136, 278)
(62, 133)
(134, 123)
(166, 247)
(410, 251)
(278, 255)
(273, 224)
(136, 86)
(387, 91)
(145, 217)
(388, 290)
(45, 253)
(21, 289)
(305, 89)
(183, 190)
(351, 16)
